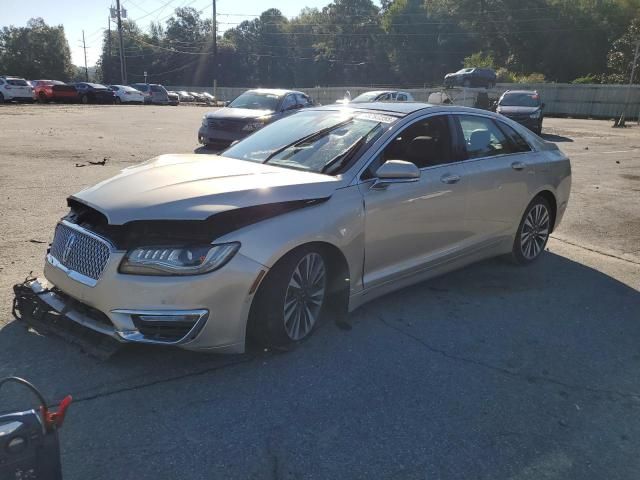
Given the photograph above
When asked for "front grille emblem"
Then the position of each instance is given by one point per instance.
(67, 246)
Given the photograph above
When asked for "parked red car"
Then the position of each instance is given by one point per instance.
(54, 90)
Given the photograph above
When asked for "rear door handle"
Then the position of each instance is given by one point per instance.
(448, 178)
(518, 165)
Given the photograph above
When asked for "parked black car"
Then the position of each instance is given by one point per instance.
(471, 77)
(524, 107)
(247, 113)
(94, 93)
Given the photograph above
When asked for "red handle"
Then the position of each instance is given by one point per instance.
(54, 420)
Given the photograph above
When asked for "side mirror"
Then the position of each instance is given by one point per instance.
(542, 106)
(226, 104)
(395, 171)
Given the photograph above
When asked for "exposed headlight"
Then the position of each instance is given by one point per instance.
(204, 121)
(252, 126)
(535, 114)
(192, 260)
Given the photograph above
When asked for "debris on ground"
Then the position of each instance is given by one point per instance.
(101, 162)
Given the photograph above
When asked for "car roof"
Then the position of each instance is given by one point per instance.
(403, 109)
(400, 108)
(274, 91)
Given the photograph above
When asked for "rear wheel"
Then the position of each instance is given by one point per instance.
(533, 232)
(84, 99)
(291, 300)
(42, 98)
(1, 98)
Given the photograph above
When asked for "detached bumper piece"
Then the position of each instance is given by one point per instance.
(52, 311)
(30, 307)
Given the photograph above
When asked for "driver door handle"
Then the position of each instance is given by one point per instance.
(448, 178)
(518, 165)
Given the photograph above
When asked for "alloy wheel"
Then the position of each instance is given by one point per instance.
(305, 296)
(535, 231)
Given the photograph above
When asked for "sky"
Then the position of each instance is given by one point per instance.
(92, 16)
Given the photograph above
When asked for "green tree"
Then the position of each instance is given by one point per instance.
(620, 57)
(37, 51)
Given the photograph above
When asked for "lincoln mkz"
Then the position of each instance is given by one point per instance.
(305, 219)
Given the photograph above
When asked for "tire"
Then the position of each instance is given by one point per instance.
(1, 98)
(283, 314)
(533, 232)
(466, 83)
(42, 98)
(117, 101)
(84, 99)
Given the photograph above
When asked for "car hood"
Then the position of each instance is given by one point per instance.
(516, 109)
(194, 187)
(238, 113)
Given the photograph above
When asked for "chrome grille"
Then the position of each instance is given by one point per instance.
(79, 251)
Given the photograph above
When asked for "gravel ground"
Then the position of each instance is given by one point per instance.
(490, 372)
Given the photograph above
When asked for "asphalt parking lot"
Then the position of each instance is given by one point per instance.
(491, 372)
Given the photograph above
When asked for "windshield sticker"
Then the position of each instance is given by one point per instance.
(376, 117)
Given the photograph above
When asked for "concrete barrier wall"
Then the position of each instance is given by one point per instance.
(597, 101)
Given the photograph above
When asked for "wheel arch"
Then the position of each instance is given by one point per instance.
(340, 277)
(550, 197)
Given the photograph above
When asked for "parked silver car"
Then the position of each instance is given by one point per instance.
(309, 217)
(153, 93)
(247, 113)
(379, 96)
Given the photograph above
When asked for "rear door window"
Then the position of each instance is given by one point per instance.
(483, 138)
(18, 83)
(288, 102)
(402, 97)
(303, 99)
(519, 143)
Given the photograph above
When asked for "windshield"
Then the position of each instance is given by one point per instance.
(256, 101)
(310, 140)
(520, 100)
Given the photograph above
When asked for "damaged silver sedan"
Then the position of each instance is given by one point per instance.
(307, 218)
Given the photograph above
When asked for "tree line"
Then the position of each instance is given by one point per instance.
(355, 42)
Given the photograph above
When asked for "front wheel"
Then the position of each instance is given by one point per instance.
(533, 232)
(117, 101)
(84, 99)
(291, 300)
(1, 98)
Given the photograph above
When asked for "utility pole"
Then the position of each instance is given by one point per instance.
(86, 70)
(107, 71)
(123, 64)
(215, 49)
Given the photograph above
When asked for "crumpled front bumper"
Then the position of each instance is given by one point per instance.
(219, 301)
